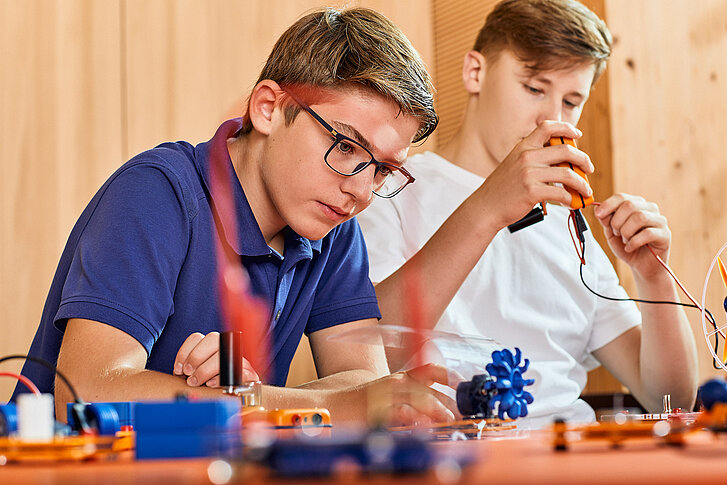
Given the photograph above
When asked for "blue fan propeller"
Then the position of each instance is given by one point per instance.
(502, 388)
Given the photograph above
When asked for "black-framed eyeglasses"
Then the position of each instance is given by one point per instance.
(348, 157)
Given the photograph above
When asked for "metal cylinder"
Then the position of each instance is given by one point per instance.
(231, 359)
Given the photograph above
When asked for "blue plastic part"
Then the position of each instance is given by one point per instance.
(371, 453)
(187, 429)
(508, 384)
(712, 392)
(725, 304)
(8, 419)
(108, 417)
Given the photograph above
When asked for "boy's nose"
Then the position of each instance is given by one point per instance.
(551, 110)
(361, 185)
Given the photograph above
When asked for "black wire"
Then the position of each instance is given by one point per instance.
(50, 366)
(575, 217)
(653, 302)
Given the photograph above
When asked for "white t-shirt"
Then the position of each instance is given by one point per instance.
(524, 292)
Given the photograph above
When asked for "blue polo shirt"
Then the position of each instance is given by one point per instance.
(141, 258)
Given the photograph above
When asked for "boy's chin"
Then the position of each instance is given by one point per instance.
(312, 232)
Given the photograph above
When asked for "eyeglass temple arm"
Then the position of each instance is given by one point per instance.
(320, 120)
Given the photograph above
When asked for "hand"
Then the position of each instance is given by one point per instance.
(198, 358)
(527, 174)
(630, 223)
(405, 398)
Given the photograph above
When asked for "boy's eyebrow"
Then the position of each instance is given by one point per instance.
(349, 130)
(352, 132)
(547, 81)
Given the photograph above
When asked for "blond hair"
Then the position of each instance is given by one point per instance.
(354, 47)
(546, 34)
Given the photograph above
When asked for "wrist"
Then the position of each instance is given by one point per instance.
(655, 286)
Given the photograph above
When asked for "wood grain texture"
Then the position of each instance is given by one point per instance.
(59, 139)
(668, 79)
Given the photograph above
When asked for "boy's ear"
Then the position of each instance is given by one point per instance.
(473, 69)
(262, 105)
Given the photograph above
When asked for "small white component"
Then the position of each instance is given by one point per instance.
(36, 419)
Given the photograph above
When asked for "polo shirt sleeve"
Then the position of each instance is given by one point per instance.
(611, 318)
(344, 293)
(129, 254)
(383, 229)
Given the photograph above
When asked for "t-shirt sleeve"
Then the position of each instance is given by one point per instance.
(611, 318)
(344, 293)
(383, 230)
(129, 254)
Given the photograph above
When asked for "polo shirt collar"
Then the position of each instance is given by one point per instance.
(250, 240)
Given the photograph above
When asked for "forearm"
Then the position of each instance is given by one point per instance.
(668, 354)
(130, 385)
(333, 393)
(440, 267)
(124, 385)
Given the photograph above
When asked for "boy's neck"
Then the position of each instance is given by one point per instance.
(246, 156)
(468, 151)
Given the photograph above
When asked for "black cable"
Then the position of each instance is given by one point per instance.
(50, 366)
(710, 317)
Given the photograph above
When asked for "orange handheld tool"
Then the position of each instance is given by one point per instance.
(577, 200)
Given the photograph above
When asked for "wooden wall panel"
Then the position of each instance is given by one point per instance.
(456, 24)
(668, 80)
(59, 139)
(191, 64)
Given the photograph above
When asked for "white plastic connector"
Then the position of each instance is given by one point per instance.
(36, 419)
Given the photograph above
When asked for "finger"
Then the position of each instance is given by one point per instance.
(204, 349)
(205, 371)
(548, 129)
(404, 415)
(248, 373)
(428, 374)
(553, 155)
(447, 401)
(608, 206)
(658, 239)
(568, 178)
(630, 205)
(552, 193)
(189, 344)
(605, 221)
(427, 403)
(639, 220)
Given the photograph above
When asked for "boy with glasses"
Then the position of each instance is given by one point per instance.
(530, 73)
(134, 300)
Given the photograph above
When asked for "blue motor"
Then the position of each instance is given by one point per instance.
(502, 387)
(8, 419)
(712, 392)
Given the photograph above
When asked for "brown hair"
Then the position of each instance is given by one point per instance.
(546, 34)
(358, 46)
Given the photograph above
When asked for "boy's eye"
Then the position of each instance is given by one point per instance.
(346, 148)
(383, 170)
(570, 105)
(532, 89)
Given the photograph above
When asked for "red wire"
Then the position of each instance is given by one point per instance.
(571, 219)
(674, 277)
(661, 261)
(28, 383)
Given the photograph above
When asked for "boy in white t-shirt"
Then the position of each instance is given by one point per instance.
(528, 76)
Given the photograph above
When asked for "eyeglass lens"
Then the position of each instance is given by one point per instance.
(348, 157)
